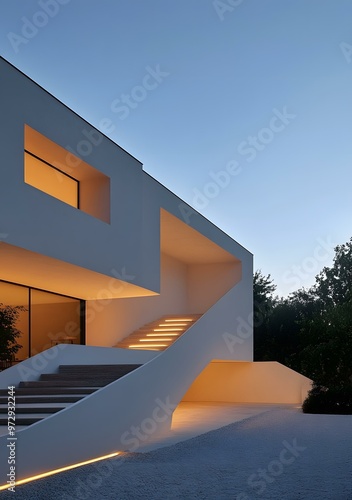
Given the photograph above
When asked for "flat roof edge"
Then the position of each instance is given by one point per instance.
(67, 107)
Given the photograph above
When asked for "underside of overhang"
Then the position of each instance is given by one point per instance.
(38, 271)
(187, 245)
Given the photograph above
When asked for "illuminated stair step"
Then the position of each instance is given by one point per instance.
(159, 334)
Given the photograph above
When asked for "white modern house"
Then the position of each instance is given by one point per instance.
(133, 301)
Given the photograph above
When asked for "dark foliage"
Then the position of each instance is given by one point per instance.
(311, 331)
(332, 400)
(9, 333)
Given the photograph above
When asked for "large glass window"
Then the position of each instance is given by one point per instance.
(54, 319)
(48, 318)
(14, 295)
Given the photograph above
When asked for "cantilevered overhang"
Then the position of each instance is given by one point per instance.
(39, 271)
(184, 243)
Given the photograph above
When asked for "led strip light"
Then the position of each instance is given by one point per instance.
(57, 471)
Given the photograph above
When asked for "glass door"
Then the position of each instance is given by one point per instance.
(55, 319)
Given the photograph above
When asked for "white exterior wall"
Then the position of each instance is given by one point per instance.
(208, 282)
(130, 245)
(37, 222)
(132, 401)
(185, 289)
(112, 320)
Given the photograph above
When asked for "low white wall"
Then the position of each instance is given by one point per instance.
(240, 382)
(65, 354)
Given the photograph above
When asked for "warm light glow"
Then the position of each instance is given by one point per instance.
(182, 319)
(167, 329)
(149, 345)
(50, 180)
(57, 471)
(158, 334)
(173, 324)
(159, 339)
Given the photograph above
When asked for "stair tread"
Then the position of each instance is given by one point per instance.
(37, 414)
(136, 337)
(34, 405)
(25, 420)
(61, 384)
(100, 367)
(52, 399)
(53, 392)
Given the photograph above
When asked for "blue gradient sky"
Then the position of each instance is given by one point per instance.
(226, 72)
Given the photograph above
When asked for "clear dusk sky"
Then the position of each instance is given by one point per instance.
(243, 108)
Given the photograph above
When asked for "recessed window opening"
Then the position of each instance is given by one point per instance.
(49, 179)
(57, 172)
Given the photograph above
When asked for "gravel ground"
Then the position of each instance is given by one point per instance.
(280, 454)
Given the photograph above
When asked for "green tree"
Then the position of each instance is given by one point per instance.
(9, 333)
(326, 333)
(327, 356)
(334, 284)
(263, 305)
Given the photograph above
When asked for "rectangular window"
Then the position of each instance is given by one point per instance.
(58, 172)
(41, 175)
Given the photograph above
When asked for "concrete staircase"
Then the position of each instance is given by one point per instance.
(53, 392)
(160, 334)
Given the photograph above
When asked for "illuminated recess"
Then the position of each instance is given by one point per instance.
(50, 180)
(57, 172)
(62, 469)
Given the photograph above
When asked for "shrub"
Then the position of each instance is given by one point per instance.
(9, 333)
(332, 400)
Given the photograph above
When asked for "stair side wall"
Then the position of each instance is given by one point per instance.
(67, 354)
(143, 400)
